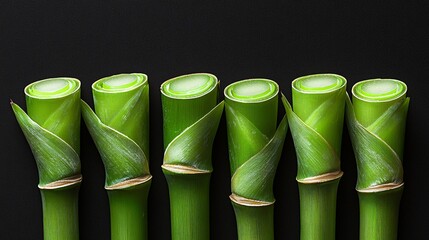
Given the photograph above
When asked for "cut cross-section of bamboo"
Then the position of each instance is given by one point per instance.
(255, 145)
(52, 129)
(120, 130)
(191, 116)
(376, 122)
(316, 124)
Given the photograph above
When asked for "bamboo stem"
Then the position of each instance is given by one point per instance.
(379, 212)
(189, 207)
(60, 213)
(318, 209)
(128, 211)
(254, 222)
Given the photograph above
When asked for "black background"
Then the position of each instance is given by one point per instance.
(234, 40)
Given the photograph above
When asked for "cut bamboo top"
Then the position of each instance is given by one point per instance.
(252, 90)
(52, 88)
(122, 102)
(319, 83)
(186, 99)
(371, 98)
(119, 83)
(318, 101)
(189, 86)
(376, 122)
(53, 103)
(257, 100)
(379, 90)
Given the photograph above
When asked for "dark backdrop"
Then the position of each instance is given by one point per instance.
(280, 40)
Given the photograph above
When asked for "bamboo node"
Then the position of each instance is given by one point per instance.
(326, 177)
(182, 169)
(130, 183)
(249, 202)
(381, 187)
(66, 182)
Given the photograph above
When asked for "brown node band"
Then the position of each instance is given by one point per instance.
(248, 202)
(182, 169)
(129, 183)
(381, 188)
(327, 177)
(66, 182)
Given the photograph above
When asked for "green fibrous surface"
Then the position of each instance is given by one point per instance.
(316, 123)
(376, 124)
(379, 212)
(60, 213)
(190, 123)
(191, 117)
(253, 117)
(184, 110)
(255, 145)
(123, 159)
(52, 127)
(193, 147)
(122, 103)
(120, 125)
(54, 104)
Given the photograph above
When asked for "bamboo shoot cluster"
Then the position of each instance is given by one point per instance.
(191, 114)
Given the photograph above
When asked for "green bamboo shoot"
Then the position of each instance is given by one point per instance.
(120, 130)
(52, 129)
(191, 117)
(376, 122)
(316, 124)
(255, 145)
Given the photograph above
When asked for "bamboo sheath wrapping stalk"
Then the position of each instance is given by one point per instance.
(120, 130)
(376, 122)
(255, 145)
(316, 124)
(52, 129)
(191, 117)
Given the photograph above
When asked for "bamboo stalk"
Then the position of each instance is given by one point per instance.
(317, 209)
(120, 130)
(60, 211)
(255, 147)
(376, 122)
(191, 118)
(52, 129)
(316, 124)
